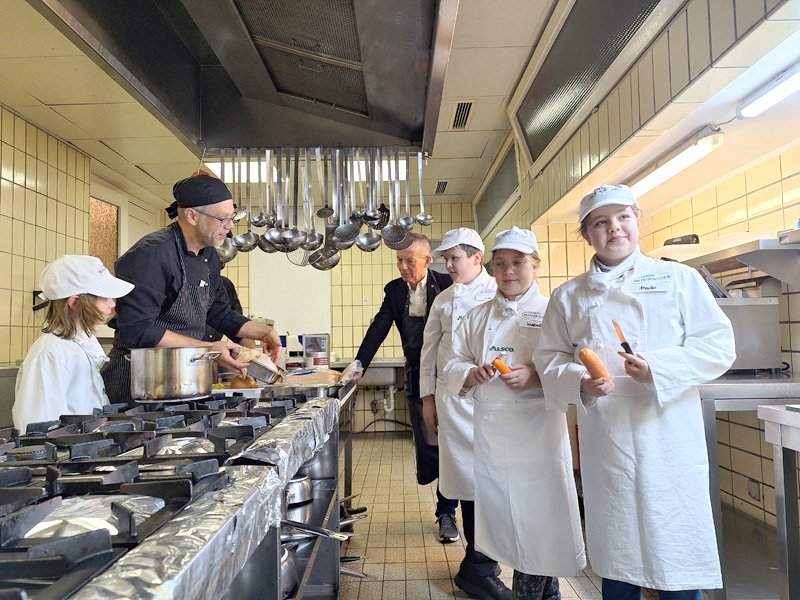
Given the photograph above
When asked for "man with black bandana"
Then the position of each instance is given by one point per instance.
(179, 289)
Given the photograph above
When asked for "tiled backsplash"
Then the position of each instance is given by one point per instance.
(44, 214)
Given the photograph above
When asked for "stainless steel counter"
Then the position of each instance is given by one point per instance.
(733, 393)
(782, 430)
(198, 554)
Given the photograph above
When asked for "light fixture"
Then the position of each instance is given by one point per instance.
(680, 158)
(783, 86)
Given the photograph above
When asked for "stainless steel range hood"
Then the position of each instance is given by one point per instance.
(771, 256)
(257, 73)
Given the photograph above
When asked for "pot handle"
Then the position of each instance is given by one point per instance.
(205, 356)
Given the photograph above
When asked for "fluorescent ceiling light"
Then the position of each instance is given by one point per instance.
(673, 163)
(786, 84)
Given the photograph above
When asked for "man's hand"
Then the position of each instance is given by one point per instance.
(522, 377)
(271, 343)
(637, 367)
(597, 387)
(226, 359)
(429, 412)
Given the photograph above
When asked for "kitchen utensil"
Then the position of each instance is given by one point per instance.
(262, 218)
(274, 233)
(372, 215)
(227, 250)
(625, 345)
(298, 490)
(289, 576)
(352, 573)
(355, 217)
(328, 262)
(323, 465)
(423, 218)
(325, 211)
(392, 232)
(263, 373)
(691, 238)
(171, 373)
(313, 239)
(247, 241)
(342, 537)
(265, 244)
(408, 221)
(346, 232)
(293, 238)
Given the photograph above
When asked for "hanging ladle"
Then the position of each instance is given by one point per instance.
(274, 233)
(392, 233)
(423, 218)
(247, 241)
(261, 219)
(408, 221)
(372, 217)
(369, 241)
(326, 211)
(313, 239)
(346, 232)
(293, 237)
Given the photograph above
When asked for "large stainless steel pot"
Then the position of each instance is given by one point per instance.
(323, 465)
(171, 373)
(289, 576)
(298, 490)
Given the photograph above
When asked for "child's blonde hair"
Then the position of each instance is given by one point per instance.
(66, 323)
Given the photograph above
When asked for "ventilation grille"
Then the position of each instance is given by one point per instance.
(569, 72)
(461, 115)
(441, 186)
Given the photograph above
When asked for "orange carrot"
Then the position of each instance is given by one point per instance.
(593, 364)
(500, 366)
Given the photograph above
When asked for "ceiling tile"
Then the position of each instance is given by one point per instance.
(444, 168)
(514, 23)
(113, 120)
(46, 118)
(14, 97)
(101, 152)
(150, 150)
(136, 175)
(63, 80)
(483, 116)
(483, 71)
(460, 144)
(162, 191)
(169, 173)
(27, 33)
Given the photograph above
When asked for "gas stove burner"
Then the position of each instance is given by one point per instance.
(28, 453)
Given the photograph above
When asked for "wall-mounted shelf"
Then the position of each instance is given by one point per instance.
(770, 255)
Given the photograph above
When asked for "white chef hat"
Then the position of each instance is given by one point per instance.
(74, 274)
(605, 195)
(455, 237)
(521, 240)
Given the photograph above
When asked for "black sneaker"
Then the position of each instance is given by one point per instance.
(483, 588)
(448, 530)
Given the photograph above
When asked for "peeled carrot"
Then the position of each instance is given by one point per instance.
(500, 366)
(593, 364)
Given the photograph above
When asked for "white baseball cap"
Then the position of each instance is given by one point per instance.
(521, 240)
(75, 274)
(605, 195)
(462, 235)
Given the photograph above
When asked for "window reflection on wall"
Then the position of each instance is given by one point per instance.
(104, 231)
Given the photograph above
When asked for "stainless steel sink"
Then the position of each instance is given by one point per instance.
(379, 376)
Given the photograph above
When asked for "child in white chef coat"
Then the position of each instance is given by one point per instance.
(61, 372)
(526, 506)
(643, 455)
(449, 414)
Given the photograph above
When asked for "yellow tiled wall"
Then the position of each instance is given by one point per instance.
(44, 214)
(357, 292)
(764, 198)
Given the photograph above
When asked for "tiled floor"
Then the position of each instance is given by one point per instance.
(403, 559)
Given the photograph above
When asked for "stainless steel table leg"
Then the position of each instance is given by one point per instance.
(710, 425)
(788, 522)
(348, 448)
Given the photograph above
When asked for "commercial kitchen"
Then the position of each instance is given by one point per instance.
(485, 114)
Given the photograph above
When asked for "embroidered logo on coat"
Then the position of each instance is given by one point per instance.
(500, 349)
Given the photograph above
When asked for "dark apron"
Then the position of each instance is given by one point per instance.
(427, 455)
(186, 316)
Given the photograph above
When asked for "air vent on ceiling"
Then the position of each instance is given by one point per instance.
(461, 115)
(441, 186)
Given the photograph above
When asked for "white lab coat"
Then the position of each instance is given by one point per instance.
(454, 412)
(526, 506)
(644, 464)
(59, 377)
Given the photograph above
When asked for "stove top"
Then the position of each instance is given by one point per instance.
(171, 452)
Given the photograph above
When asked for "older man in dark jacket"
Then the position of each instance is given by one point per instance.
(406, 303)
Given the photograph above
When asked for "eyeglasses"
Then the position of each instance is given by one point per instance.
(224, 222)
(517, 265)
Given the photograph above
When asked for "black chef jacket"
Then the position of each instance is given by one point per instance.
(153, 266)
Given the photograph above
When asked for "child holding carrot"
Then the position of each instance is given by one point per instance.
(643, 458)
(60, 374)
(526, 506)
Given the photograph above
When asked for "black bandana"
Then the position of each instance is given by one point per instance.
(198, 190)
